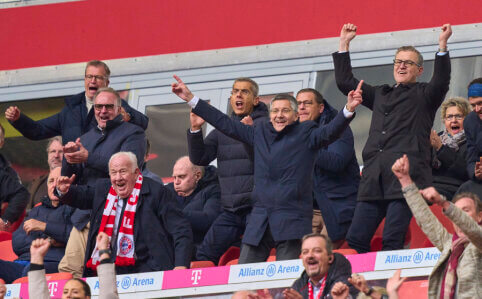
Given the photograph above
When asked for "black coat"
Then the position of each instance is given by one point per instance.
(283, 171)
(202, 206)
(58, 228)
(12, 192)
(162, 236)
(473, 133)
(402, 119)
(71, 122)
(234, 159)
(340, 270)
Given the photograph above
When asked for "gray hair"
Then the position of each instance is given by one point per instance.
(109, 90)
(285, 96)
(254, 85)
(411, 49)
(129, 155)
(52, 140)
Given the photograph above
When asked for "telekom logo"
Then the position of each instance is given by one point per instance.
(53, 288)
(196, 276)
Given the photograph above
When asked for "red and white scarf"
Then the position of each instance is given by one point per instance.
(125, 237)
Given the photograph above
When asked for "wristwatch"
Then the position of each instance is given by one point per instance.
(6, 223)
(101, 252)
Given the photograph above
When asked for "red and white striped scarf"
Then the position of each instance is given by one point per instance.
(125, 237)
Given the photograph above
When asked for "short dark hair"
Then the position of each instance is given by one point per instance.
(85, 286)
(98, 63)
(254, 85)
(329, 244)
(411, 49)
(476, 80)
(473, 196)
(285, 96)
(318, 97)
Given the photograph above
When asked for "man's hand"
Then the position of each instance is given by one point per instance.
(38, 250)
(103, 241)
(359, 282)
(431, 195)
(12, 113)
(339, 291)
(401, 169)
(444, 36)
(75, 156)
(354, 97)
(32, 225)
(435, 140)
(196, 122)
(3, 290)
(3, 227)
(247, 120)
(348, 32)
(63, 183)
(125, 116)
(478, 169)
(394, 283)
(290, 293)
(181, 90)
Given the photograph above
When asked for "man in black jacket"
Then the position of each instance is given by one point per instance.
(402, 119)
(148, 230)
(235, 169)
(323, 269)
(77, 117)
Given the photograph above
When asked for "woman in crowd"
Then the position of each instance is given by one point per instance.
(448, 158)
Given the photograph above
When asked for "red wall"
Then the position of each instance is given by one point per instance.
(107, 29)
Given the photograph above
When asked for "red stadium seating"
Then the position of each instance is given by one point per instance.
(2, 281)
(5, 236)
(415, 289)
(345, 251)
(50, 276)
(231, 254)
(232, 262)
(6, 251)
(202, 264)
(376, 243)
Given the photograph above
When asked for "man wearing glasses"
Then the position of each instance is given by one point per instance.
(88, 158)
(76, 118)
(402, 119)
(284, 157)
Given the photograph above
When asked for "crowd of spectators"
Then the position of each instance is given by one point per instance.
(287, 178)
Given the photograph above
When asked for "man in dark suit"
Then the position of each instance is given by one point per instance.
(147, 229)
(402, 119)
(284, 155)
(77, 117)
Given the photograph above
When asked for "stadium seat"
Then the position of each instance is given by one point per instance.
(232, 262)
(17, 223)
(376, 243)
(202, 264)
(6, 251)
(271, 258)
(49, 277)
(2, 281)
(345, 251)
(5, 236)
(230, 254)
(414, 289)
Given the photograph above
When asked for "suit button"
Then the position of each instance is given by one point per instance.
(386, 113)
(384, 132)
(380, 150)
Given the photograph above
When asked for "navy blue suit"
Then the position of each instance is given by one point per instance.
(335, 179)
(71, 122)
(283, 170)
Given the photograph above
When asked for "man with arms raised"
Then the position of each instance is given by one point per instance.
(402, 119)
(147, 229)
(235, 169)
(284, 155)
(77, 117)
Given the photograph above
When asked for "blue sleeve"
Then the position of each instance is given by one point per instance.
(15, 194)
(202, 151)
(203, 219)
(472, 150)
(223, 123)
(338, 154)
(60, 229)
(439, 84)
(137, 118)
(324, 135)
(80, 196)
(38, 130)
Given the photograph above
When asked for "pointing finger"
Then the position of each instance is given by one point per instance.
(177, 79)
(359, 87)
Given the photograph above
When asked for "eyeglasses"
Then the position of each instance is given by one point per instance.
(398, 62)
(244, 92)
(97, 77)
(283, 111)
(306, 103)
(454, 116)
(106, 106)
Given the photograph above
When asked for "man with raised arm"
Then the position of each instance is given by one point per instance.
(457, 272)
(284, 155)
(402, 119)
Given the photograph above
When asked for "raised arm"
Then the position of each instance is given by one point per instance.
(136, 117)
(216, 118)
(31, 129)
(427, 221)
(37, 282)
(81, 197)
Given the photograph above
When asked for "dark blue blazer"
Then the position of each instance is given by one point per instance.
(71, 122)
(283, 170)
(473, 134)
(162, 236)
